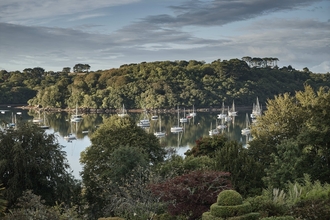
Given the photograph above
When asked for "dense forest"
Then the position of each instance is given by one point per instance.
(163, 84)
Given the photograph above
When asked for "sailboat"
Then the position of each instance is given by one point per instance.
(180, 135)
(222, 114)
(154, 117)
(246, 130)
(37, 120)
(145, 121)
(123, 112)
(13, 121)
(184, 119)
(44, 125)
(213, 131)
(76, 117)
(256, 110)
(177, 128)
(228, 117)
(192, 114)
(159, 133)
(71, 136)
(232, 111)
(222, 125)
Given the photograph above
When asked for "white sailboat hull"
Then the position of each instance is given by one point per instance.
(144, 123)
(159, 134)
(213, 132)
(246, 131)
(70, 137)
(183, 120)
(176, 129)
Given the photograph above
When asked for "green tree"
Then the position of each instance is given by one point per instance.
(207, 146)
(118, 146)
(31, 206)
(88, 102)
(282, 120)
(292, 137)
(246, 173)
(3, 202)
(66, 70)
(32, 159)
(287, 166)
(132, 198)
(52, 97)
(315, 132)
(167, 84)
(91, 80)
(121, 169)
(176, 165)
(81, 68)
(38, 72)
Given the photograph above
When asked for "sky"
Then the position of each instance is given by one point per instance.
(53, 34)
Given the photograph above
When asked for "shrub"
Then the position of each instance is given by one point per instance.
(229, 198)
(111, 218)
(230, 211)
(279, 218)
(230, 205)
(193, 193)
(312, 209)
(30, 206)
(266, 207)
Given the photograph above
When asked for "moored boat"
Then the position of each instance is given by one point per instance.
(76, 117)
(123, 112)
(177, 128)
(160, 133)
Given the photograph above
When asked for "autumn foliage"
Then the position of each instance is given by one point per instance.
(192, 194)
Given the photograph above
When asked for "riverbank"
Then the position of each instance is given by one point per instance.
(113, 110)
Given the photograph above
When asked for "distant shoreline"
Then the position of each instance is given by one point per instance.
(113, 110)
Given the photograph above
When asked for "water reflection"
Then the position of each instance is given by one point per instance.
(60, 125)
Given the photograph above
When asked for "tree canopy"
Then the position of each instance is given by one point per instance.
(161, 84)
(292, 137)
(30, 159)
(118, 146)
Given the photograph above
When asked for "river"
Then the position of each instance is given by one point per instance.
(60, 125)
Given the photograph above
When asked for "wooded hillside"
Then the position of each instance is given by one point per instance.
(162, 84)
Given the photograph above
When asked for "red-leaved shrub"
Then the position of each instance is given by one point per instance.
(193, 193)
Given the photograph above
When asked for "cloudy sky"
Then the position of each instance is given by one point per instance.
(105, 34)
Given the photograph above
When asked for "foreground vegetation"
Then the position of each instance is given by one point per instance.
(128, 174)
(162, 84)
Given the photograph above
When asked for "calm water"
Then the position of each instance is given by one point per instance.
(61, 126)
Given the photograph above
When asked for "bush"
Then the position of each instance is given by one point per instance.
(111, 218)
(279, 218)
(266, 207)
(230, 211)
(193, 193)
(307, 200)
(230, 205)
(229, 198)
(30, 206)
(312, 209)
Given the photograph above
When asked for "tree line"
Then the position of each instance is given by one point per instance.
(162, 84)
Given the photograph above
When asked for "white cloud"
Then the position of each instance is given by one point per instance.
(302, 42)
(22, 11)
(87, 16)
(323, 67)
